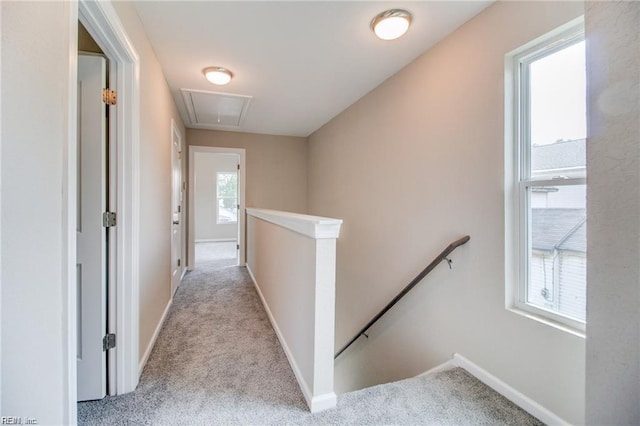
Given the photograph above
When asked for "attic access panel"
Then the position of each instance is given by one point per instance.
(213, 109)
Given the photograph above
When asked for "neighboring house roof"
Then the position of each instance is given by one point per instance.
(559, 155)
(559, 229)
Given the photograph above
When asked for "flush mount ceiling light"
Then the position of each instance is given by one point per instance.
(218, 75)
(391, 24)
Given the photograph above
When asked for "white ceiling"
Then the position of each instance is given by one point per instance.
(303, 62)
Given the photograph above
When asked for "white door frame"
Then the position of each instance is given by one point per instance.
(102, 22)
(176, 134)
(69, 229)
(193, 149)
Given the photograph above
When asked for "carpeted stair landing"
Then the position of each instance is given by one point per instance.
(217, 361)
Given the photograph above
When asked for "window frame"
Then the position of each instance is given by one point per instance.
(518, 177)
(218, 197)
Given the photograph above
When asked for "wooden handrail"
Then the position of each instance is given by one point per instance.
(442, 256)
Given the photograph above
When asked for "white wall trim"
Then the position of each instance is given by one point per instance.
(445, 366)
(311, 226)
(323, 402)
(64, 230)
(242, 223)
(316, 403)
(152, 342)
(69, 226)
(512, 394)
(103, 23)
(216, 240)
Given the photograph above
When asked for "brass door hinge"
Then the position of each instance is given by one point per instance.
(109, 97)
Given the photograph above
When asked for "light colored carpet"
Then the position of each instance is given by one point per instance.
(216, 255)
(217, 361)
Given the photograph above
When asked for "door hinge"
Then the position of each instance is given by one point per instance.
(179, 155)
(109, 96)
(108, 342)
(179, 209)
(178, 262)
(237, 246)
(238, 166)
(108, 219)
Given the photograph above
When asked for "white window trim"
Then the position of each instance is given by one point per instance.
(218, 222)
(518, 179)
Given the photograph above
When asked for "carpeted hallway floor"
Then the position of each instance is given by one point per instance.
(217, 361)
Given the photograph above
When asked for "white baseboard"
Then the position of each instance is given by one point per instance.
(448, 365)
(152, 343)
(513, 395)
(323, 402)
(316, 403)
(216, 240)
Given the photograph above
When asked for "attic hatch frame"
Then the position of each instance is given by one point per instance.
(102, 22)
(197, 117)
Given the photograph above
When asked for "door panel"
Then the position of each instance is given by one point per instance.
(91, 236)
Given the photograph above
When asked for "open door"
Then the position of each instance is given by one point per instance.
(91, 235)
(177, 265)
(207, 186)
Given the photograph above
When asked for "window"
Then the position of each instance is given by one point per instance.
(548, 182)
(227, 197)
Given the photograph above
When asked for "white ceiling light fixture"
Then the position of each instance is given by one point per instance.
(391, 24)
(218, 75)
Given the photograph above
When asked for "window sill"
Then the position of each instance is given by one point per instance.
(546, 321)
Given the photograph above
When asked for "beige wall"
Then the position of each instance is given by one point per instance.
(413, 165)
(436, 127)
(156, 111)
(291, 259)
(36, 381)
(36, 376)
(276, 167)
(207, 165)
(613, 161)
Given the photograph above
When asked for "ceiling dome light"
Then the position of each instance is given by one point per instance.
(391, 24)
(218, 75)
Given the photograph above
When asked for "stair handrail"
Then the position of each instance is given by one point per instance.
(442, 256)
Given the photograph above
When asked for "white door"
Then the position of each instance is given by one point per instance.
(238, 213)
(91, 235)
(176, 208)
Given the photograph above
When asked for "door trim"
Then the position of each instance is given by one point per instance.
(175, 132)
(69, 227)
(193, 149)
(102, 22)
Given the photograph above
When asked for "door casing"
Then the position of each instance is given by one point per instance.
(193, 149)
(177, 209)
(102, 22)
